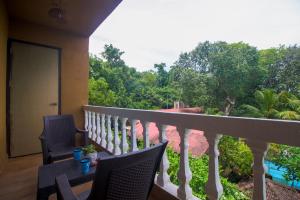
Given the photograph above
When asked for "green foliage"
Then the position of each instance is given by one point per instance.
(162, 75)
(100, 94)
(213, 111)
(213, 75)
(283, 68)
(113, 55)
(112, 83)
(287, 157)
(272, 105)
(89, 149)
(266, 100)
(235, 158)
(192, 87)
(225, 73)
(225, 79)
(199, 168)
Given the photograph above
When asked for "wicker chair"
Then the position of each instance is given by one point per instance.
(58, 137)
(127, 177)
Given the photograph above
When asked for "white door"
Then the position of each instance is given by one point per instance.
(34, 93)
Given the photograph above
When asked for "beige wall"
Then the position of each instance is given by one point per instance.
(3, 42)
(74, 63)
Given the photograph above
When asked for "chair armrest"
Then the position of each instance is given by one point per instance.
(85, 136)
(63, 188)
(42, 137)
(44, 149)
(81, 131)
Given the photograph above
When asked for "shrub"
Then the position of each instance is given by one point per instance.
(199, 168)
(235, 158)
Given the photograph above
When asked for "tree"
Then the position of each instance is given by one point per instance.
(162, 74)
(289, 77)
(272, 105)
(266, 101)
(232, 67)
(113, 55)
(192, 87)
(268, 61)
(100, 94)
(282, 66)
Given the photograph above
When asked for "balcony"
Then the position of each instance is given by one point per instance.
(105, 123)
(258, 133)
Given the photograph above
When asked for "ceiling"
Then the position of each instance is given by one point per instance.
(80, 16)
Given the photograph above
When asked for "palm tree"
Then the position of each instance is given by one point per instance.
(267, 101)
(290, 106)
(272, 105)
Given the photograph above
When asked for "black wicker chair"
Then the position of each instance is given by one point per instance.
(58, 137)
(127, 177)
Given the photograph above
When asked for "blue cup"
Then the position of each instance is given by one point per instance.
(77, 153)
(85, 166)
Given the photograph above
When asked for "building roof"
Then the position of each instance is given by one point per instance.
(198, 144)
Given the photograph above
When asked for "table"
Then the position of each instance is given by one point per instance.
(71, 167)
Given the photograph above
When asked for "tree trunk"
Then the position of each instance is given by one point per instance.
(229, 104)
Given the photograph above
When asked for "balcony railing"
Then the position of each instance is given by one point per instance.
(256, 132)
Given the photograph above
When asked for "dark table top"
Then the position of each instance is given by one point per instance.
(72, 169)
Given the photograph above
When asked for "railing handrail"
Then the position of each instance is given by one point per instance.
(264, 130)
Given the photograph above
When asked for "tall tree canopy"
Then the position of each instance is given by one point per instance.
(232, 67)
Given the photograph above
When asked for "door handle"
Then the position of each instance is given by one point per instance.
(53, 104)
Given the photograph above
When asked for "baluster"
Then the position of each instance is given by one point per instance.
(214, 187)
(124, 144)
(163, 179)
(109, 146)
(184, 190)
(103, 132)
(98, 139)
(259, 150)
(86, 120)
(133, 146)
(93, 126)
(90, 124)
(117, 150)
(146, 133)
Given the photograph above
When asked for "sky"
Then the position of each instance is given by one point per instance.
(155, 31)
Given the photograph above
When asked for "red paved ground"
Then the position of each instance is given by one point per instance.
(197, 142)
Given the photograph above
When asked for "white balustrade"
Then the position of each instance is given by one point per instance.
(257, 132)
(133, 146)
(117, 150)
(214, 187)
(184, 174)
(109, 137)
(90, 124)
(93, 137)
(146, 134)
(86, 118)
(103, 131)
(124, 143)
(98, 122)
(163, 179)
(259, 150)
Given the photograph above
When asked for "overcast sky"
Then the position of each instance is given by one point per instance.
(155, 31)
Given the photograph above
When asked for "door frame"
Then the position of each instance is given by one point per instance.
(8, 77)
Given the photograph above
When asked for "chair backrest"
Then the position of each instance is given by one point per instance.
(59, 130)
(127, 177)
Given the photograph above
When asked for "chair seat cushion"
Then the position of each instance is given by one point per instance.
(61, 152)
(84, 195)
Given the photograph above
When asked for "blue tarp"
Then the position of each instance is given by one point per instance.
(277, 174)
